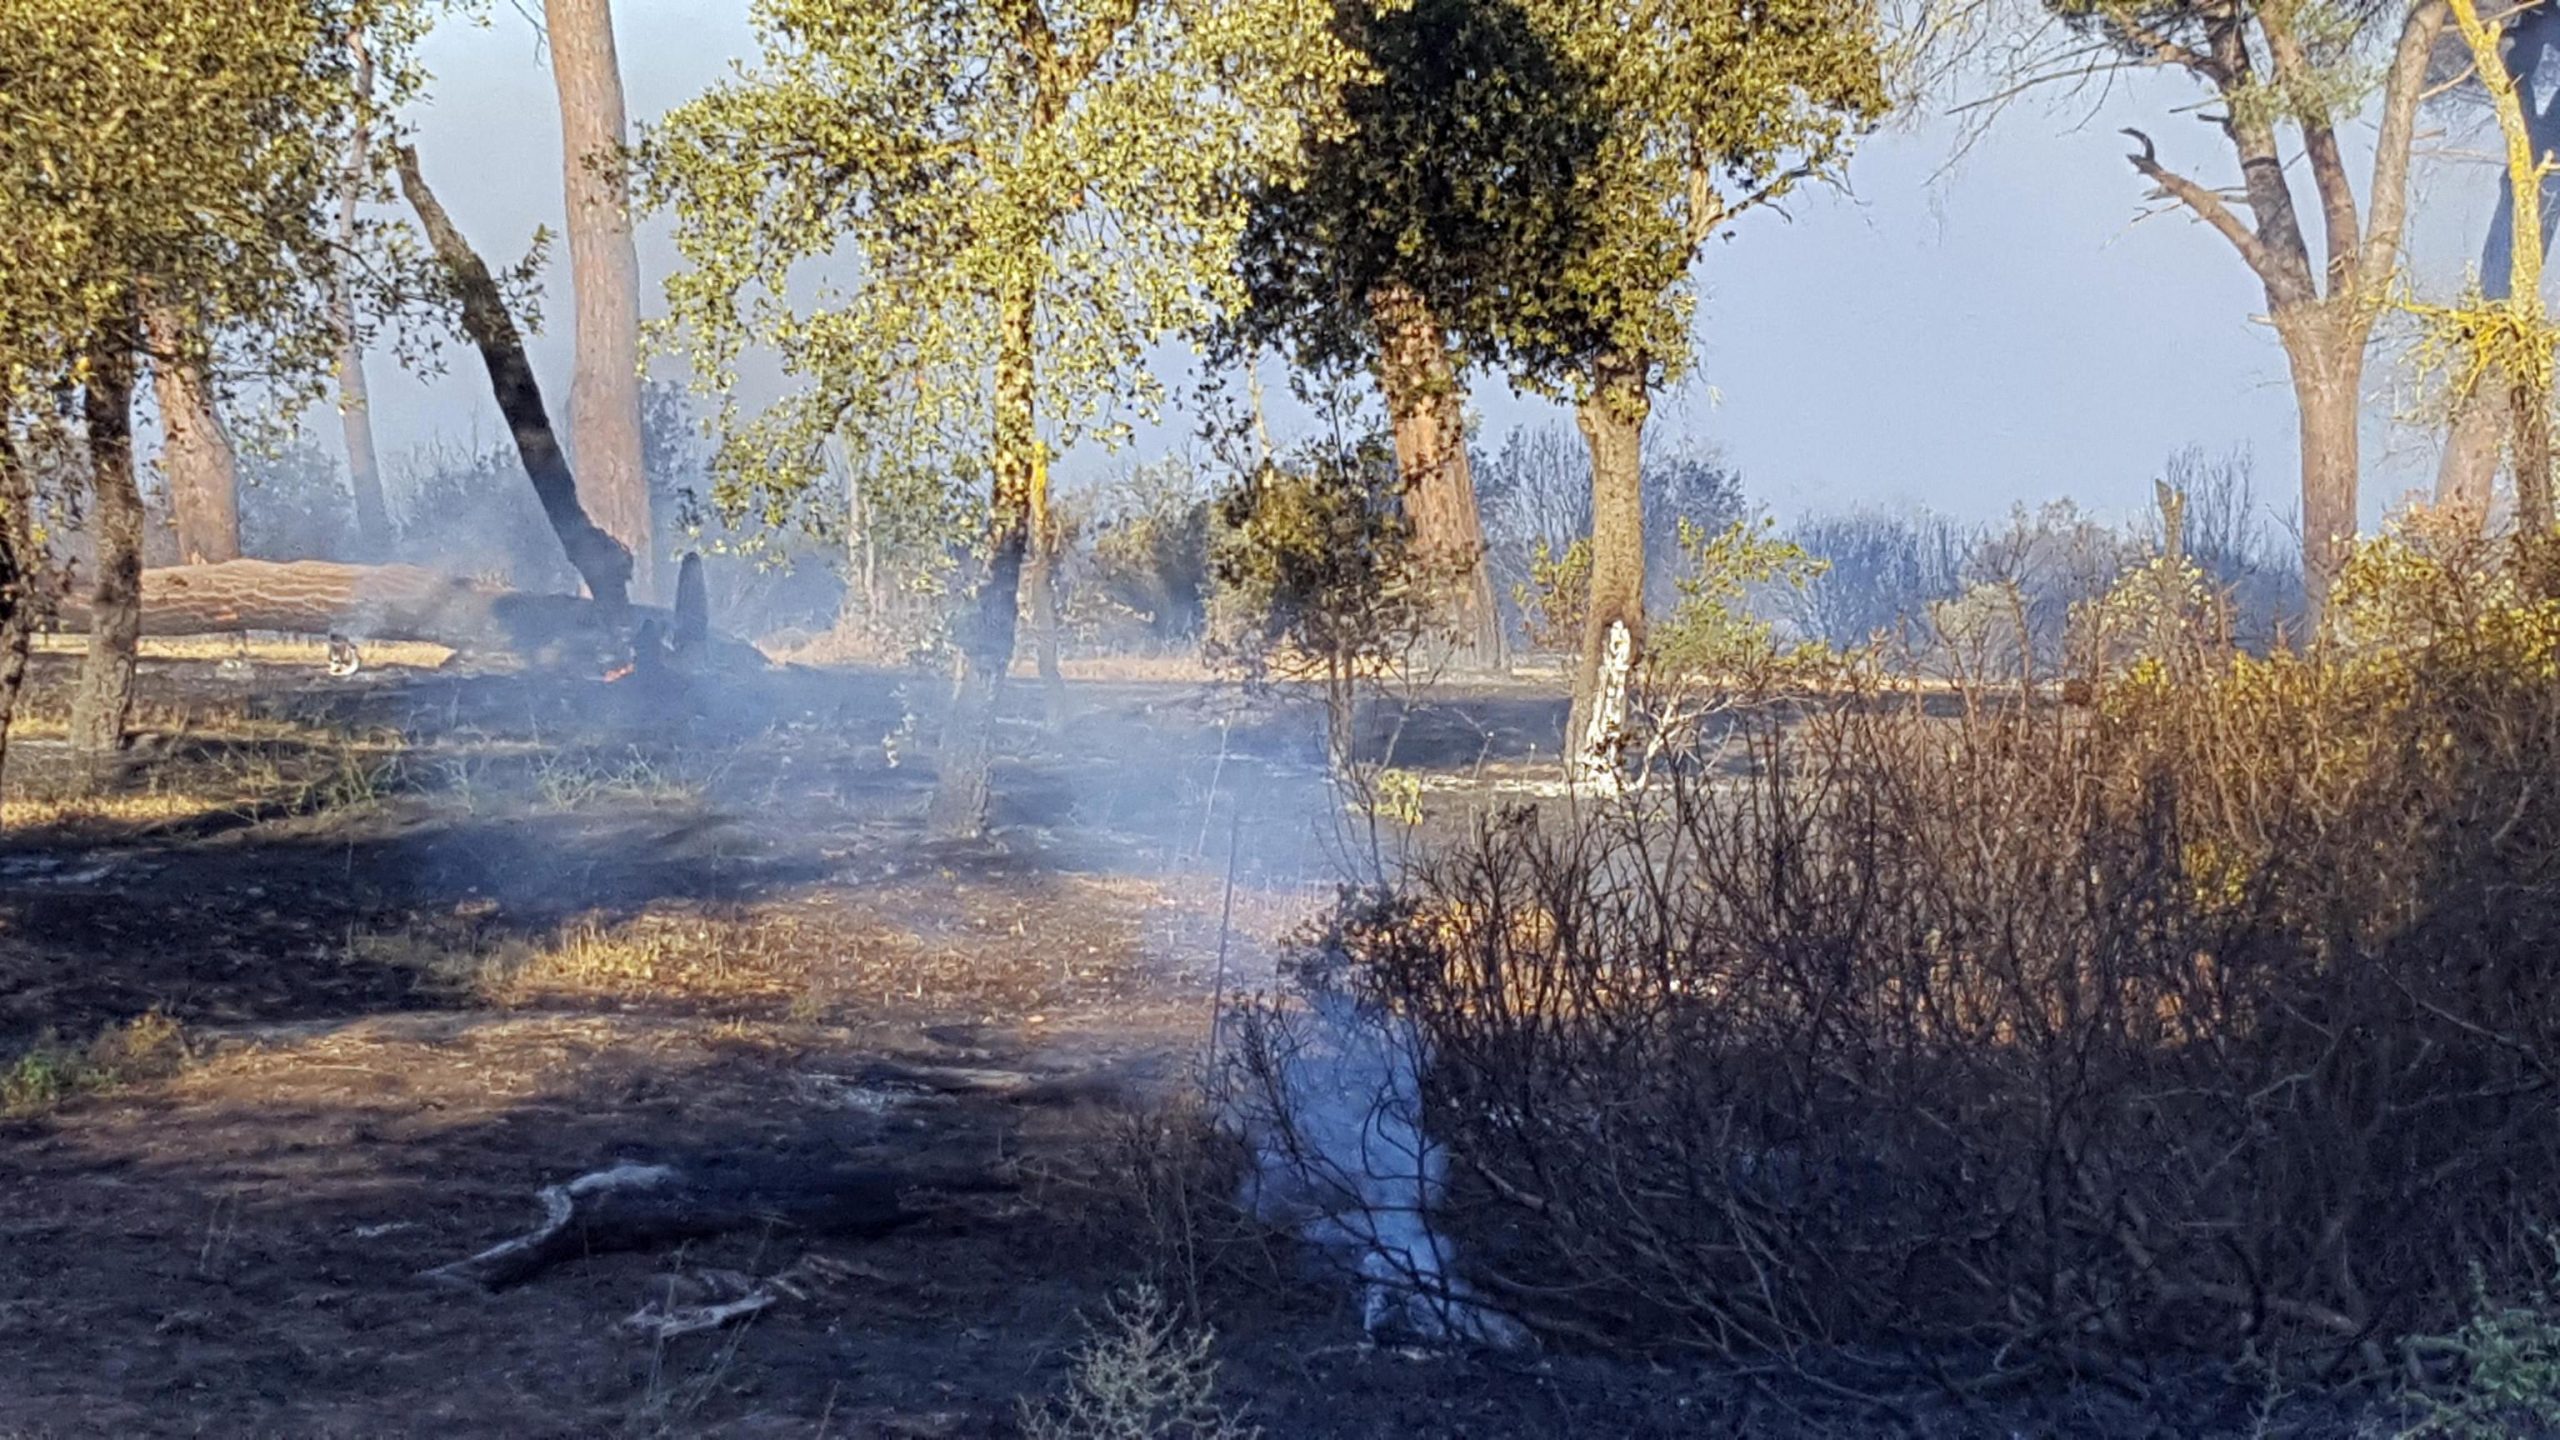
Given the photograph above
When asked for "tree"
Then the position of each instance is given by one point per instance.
(196, 457)
(1023, 195)
(2481, 422)
(1714, 108)
(604, 268)
(2277, 66)
(1415, 239)
(600, 559)
(355, 395)
(183, 155)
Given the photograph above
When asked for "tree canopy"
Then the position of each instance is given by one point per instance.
(191, 147)
(861, 200)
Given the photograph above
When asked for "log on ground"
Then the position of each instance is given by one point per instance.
(371, 602)
(635, 1207)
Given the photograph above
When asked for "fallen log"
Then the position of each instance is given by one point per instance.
(634, 1207)
(376, 602)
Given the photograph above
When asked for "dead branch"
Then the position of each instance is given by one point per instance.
(635, 1207)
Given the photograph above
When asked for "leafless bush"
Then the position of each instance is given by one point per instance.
(2216, 1016)
(1143, 1375)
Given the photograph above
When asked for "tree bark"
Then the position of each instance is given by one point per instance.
(103, 703)
(604, 268)
(2467, 473)
(2328, 377)
(967, 752)
(21, 599)
(1040, 602)
(1612, 419)
(598, 557)
(1427, 408)
(2466, 476)
(195, 455)
(355, 397)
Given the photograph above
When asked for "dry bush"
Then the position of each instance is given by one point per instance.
(1142, 1375)
(2217, 1016)
(1165, 1198)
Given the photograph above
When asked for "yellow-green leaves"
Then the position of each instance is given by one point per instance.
(857, 201)
(187, 146)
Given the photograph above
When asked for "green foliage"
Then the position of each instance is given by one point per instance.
(1543, 173)
(192, 150)
(2507, 1380)
(946, 155)
(1556, 597)
(1152, 548)
(1713, 631)
(1317, 579)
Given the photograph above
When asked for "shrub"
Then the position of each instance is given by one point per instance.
(1317, 579)
(1152, 548)
(1142, 1375)
(2218, 1015)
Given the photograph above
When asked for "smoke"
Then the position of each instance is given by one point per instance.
(1333, 1110)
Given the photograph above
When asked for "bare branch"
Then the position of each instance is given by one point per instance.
(2208, 207)
(2407, 79)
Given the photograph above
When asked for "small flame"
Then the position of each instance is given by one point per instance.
(617, 673)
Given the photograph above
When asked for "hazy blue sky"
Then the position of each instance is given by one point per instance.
(1963, 338)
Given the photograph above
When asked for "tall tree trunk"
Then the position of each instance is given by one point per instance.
(2328, 378)
(355, 396)
(20, 567)
(195, 456)
(2467, 473)
(604, 266)
(1040, 601)
(1612, 419)
(598, 557)
(967, 751)
(104, 700)
(2466, 476)
(1427, 407)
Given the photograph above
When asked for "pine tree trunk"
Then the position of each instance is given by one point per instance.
(355, 397)
(1427, 408)
(1612, 420)
(2328, 376)
(1040, 603)
(967, 752)
(103, 702)
(195, 456)
(604, 268)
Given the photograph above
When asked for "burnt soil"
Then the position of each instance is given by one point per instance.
(377, 1079)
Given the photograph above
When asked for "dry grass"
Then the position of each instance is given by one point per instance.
(293, 650)
(51, 1071)
(316, 771)
(764, 960)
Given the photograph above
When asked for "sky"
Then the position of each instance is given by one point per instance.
(1962, 327)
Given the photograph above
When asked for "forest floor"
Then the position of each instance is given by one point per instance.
(351, 968)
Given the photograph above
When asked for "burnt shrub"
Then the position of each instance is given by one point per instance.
(2215, 1016)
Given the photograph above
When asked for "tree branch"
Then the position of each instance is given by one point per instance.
(2209, 208)
(2341, 229)
(2407, 77)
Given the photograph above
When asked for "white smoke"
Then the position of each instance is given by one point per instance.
(1333, 1109)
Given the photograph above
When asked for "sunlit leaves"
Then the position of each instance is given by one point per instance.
(854, 204)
